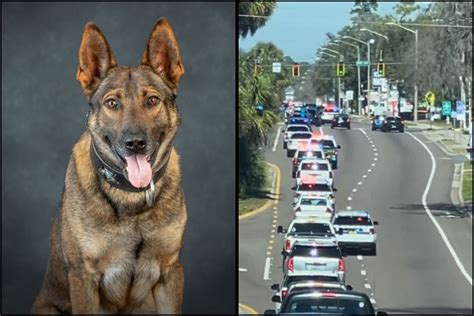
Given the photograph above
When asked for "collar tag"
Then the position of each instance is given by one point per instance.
(150, 194)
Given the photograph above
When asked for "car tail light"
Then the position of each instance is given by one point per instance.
(288, 245)
(328, 210)
(342, 265)
(372, 230)
(290, 264)
(284, 293)
(295, 161)
(329, 294)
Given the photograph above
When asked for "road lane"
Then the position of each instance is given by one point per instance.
(413, 269)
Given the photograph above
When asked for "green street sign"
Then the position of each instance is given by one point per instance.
(362, 63)
(446, 107)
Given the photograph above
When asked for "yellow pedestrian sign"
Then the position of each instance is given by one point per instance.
(430, 97)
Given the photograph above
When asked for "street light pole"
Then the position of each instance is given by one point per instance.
(341, 58)
(415, 111)
(358, 73)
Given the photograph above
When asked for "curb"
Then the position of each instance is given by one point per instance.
(456, 185)
(275, 193)
(461, 200)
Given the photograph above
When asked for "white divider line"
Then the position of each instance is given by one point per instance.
(266, 271)
(428, 211)
(276, 139)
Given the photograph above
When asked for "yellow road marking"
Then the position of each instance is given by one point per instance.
(248, 309)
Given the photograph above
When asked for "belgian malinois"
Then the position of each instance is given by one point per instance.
(116, 240)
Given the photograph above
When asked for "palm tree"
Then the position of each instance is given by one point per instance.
(249, 25)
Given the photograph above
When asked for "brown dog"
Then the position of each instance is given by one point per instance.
(116, 241)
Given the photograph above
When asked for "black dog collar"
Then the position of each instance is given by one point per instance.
(118, 180)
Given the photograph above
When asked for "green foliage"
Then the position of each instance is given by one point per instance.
(249, 25)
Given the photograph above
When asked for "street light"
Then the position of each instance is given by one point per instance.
(415, 114)
(358, 71)
(371, 41)
(341, 56)
(378, 34)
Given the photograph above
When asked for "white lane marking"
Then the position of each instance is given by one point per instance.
(362, 265)
(372, 300)
(375, 159)
(359, 183)
(363, 272)
(354, 190)
(348, 208)
(428, 211)
(364, 176)
(367, 285)
(243, 270)
(359, 257)
(266, 271)
(372, 294)
(372, 144)
(321, 130)
(376, 154)
(276, 139)
(369, 170)
(373, 164)
(349, 198)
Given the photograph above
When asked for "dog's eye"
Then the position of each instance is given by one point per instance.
(111, 103)
(152, 101)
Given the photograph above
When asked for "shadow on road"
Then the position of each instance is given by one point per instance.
(437, 209)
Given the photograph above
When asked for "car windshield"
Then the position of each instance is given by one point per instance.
(310, 229)
(301, 136)
(297, 129)
(330, 305)
(305, 154)
(342, 116)
(393, 119)
(353, 220)
(314, 187)
(311, 251)
(314, 202)
(314, 166)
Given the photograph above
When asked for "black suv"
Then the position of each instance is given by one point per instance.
(341, 120)
(393, 123)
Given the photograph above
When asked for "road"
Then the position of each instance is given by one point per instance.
(387, 174)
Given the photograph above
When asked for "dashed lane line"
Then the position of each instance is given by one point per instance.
(266, 271)
(276, 139)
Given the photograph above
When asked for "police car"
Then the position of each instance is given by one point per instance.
(314, 205)
(355, 230)
(331, 149)
(315, 167)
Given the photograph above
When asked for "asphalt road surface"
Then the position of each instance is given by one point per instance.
(424, 244)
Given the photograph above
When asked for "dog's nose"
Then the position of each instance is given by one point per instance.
(135, 143)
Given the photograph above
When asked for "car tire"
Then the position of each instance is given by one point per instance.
(402, 130)
(293, 174)
(349, 126)
(284, 145)
(334, 165)
(289, 153)
(373, 128)
(332, 126)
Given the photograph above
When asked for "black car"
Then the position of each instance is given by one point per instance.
(341, 120)
(327, 301)
(393, 123)
(315, 116)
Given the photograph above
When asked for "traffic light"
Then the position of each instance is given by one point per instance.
(381, 69)
(296, 70)
(257, 68)
(341, 70)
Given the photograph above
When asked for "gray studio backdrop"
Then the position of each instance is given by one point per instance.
(43, 114)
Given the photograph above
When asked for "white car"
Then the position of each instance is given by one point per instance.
(320, 168)
(295, 141)
(304, 152)
(314, 206)
(294, 128)
(327, 116)
(313, 186)
(356, 230)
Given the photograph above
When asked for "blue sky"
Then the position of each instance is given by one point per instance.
(299, 28)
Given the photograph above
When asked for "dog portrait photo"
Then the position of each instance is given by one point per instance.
(118, 131)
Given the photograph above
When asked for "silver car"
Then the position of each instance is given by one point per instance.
(356, 230)
(315, 258)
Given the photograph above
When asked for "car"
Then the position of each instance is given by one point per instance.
(313, 205)
(315, 116)
(321, 258)
(297, 120)
(326, 302)
(356, 231)
(469, 149)
(303, 284)
(305, 152)
(309, 229)
(320, 168)
(294, 128)
(331, 149)
(313, 186)
(294, 141)
(377, 122)
(330, 110)
(341, 120)
(393, 123)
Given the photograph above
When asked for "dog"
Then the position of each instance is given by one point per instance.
(116, 241)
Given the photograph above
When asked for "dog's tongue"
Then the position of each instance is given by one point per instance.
(139, 171)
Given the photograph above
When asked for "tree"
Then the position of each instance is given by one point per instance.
(249, 25)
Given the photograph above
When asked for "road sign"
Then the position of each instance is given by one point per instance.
(276, 67)
(430, 97)
(460, 110)
(350, 95)
(362, 63)
(446, 104)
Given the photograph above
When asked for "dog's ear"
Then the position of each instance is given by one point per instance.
(95, 58)
(162, 52)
